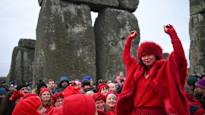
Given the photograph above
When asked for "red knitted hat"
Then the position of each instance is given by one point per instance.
(147, 48)
(70, 91)
(16, 95)
(56, 96)
(43, 90)
(99, 96)
(100, 86)
(78, 104)
(27, 106)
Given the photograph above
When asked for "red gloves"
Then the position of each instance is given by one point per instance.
(169, 29)
(132, 35)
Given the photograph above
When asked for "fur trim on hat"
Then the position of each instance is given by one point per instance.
(147, 48)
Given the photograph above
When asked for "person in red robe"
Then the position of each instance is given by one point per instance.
(153, 85)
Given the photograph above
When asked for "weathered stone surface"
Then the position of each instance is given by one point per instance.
(197, 49)
(21, 66)
(197, 62)
(111, 28)
(26, 43)
(40, 2)
(130, 5)
(65, 41)
(97, 5)
(3, 79)
(197, 6)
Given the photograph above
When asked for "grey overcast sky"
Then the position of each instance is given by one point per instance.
(19, 20)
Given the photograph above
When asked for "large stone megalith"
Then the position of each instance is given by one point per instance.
(97, 5)
(65, 41)
(130, 5)
(111, 28)
(21, 69)
(197, 36)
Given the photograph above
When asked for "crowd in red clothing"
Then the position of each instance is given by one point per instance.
(85, 100)
(76, 97)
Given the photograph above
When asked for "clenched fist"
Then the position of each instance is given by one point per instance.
(169, 29)
(133, 35)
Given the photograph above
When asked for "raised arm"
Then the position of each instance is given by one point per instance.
(126, 56)
(178, 53)
(177, 46)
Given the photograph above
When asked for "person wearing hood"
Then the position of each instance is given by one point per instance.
(64, 82)
(154, 85)
(87, 84)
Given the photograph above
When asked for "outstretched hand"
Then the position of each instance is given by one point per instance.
(133, 34)
(169, 29)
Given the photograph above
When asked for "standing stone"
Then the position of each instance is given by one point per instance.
(40, 2)
(65, 41)
(21, 69)
(197, 6)
(130, 5)
(27, 43)
(111, 29)
(197, 49)
(97, 5)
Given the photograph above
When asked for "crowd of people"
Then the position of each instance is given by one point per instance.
(52, 98)
(152, 86)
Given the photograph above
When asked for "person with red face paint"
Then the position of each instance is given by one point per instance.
(154, 85)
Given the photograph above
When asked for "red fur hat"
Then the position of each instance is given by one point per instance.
(147, 48)
(27, 106)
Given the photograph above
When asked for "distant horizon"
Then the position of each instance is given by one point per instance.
(19, 22)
